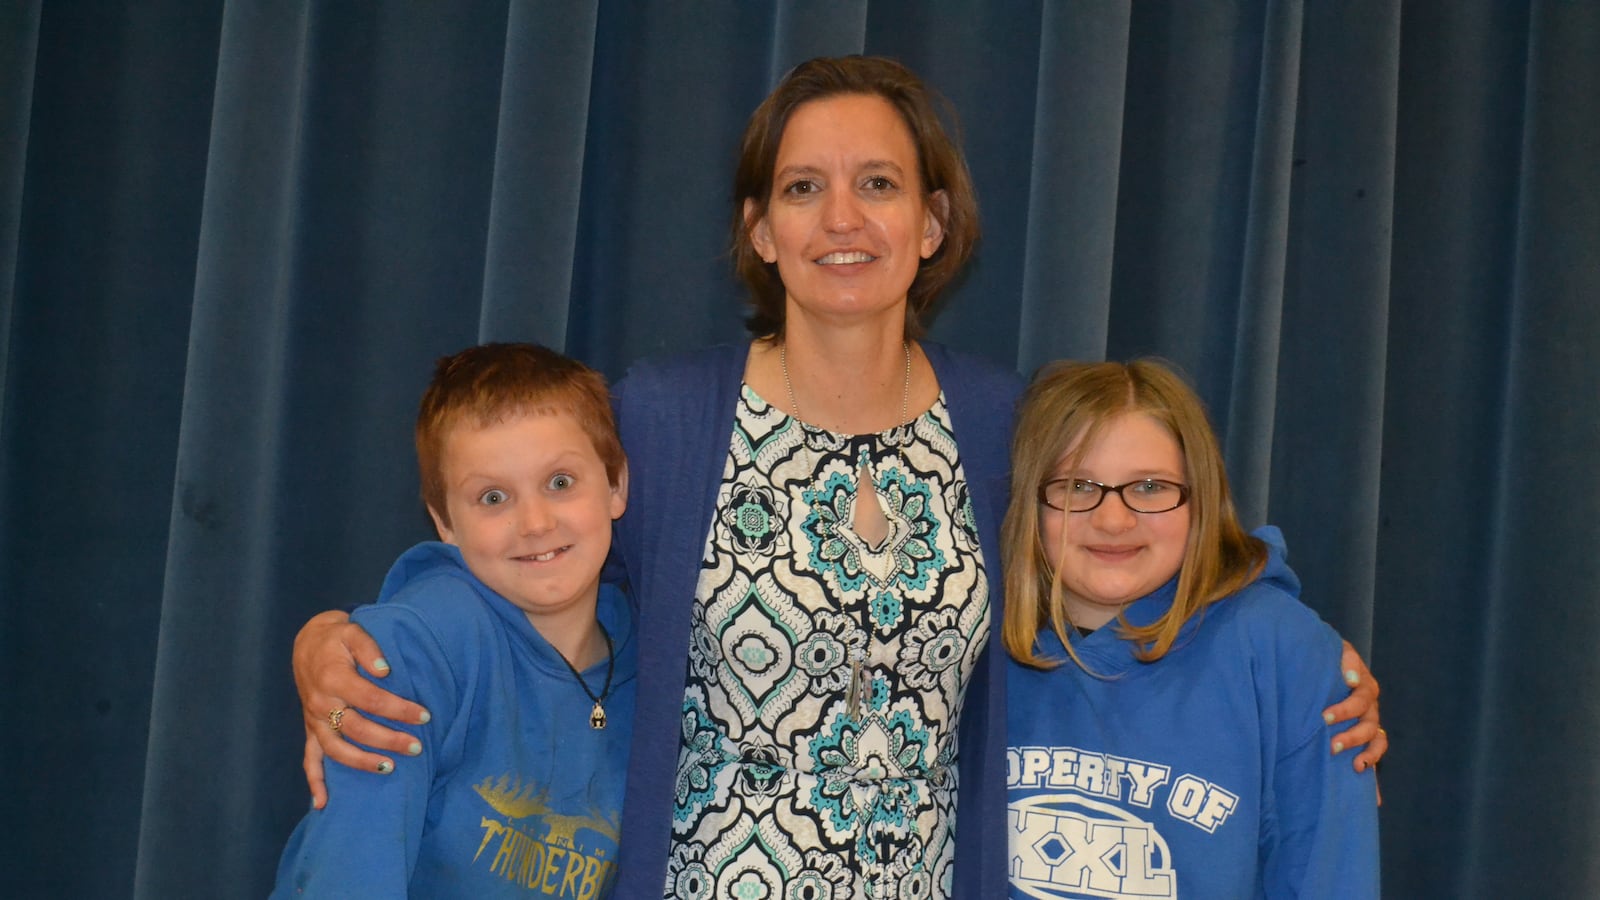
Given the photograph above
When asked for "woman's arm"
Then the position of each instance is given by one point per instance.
(1361, 705)
(326, 653)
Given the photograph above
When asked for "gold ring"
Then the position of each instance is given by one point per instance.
(336, 718)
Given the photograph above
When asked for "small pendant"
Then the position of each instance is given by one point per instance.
(852, 697)
(597, 716)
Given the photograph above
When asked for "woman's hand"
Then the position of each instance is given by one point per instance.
(326, 653)
(1361, 705)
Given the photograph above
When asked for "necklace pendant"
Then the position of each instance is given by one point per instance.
(853, 695)
(597, 716)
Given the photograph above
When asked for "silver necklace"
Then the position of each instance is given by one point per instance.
(905, 387)
(597, 716)
(866, 499)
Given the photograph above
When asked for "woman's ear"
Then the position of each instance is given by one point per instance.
(937, 213)
(760, 233)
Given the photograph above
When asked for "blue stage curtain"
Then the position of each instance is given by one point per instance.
(234, 237)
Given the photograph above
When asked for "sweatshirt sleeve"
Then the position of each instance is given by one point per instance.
(1320, 838)
(365, 841)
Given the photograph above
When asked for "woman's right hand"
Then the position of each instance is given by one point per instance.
(326, 653)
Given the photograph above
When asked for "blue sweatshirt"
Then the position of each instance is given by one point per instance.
(1203, 775)
(514, 794)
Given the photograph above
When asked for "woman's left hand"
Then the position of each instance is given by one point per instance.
(1362, 706)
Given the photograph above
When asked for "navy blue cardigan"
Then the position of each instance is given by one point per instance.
(676, 416)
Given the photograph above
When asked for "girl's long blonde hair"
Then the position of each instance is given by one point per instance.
(1072, 402)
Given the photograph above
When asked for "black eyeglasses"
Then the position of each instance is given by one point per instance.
(1148, 495)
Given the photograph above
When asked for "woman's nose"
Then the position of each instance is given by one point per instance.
(841, 211)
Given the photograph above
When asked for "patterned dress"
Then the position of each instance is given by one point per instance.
(798, 777)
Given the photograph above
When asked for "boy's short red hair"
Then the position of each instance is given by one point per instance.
(495, 382)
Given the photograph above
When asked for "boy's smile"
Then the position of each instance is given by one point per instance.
(530, 508)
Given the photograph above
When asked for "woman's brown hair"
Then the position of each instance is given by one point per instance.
(939, 159)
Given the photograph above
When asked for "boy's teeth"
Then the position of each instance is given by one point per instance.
(544, 557)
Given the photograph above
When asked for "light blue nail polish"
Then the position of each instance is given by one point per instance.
(385, 767)
(414, 748)
(425, 718)
(1327, 718)
(380, 664)
(1351, 678)
(1338, 747)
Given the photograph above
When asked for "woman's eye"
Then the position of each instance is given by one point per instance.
(879, 183)
(493, 497)
(801, 187)
(1151, 488)
(561, 482)
(1080, 486)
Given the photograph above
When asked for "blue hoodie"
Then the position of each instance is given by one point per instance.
(514, 794)
(1203, 775)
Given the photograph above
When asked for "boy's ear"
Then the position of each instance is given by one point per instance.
(619, 492)
(445, 532)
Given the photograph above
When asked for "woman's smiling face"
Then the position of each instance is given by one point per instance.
(847, 223)
(1111, 556)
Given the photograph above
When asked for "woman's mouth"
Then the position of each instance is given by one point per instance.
(845, 258)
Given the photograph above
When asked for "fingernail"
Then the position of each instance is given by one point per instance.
(1361, 765)
(1351, 678)
(1338, 747)
(414, 748)
(386, 767)
(425, 718)
(1327, 718)
(380, 664)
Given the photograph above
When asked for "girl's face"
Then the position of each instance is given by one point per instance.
(846, 222)
(1111, 556)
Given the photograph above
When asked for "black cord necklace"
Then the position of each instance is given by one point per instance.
(597, 716)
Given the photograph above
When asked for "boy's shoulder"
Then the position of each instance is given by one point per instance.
(430, 586)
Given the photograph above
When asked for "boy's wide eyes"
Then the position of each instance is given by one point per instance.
(561, 482)
(493, 497)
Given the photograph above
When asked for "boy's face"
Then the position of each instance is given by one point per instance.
(530, 509)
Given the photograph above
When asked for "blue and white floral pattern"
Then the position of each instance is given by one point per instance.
(786, 790)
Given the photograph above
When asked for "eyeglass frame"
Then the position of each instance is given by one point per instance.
(1106, 489)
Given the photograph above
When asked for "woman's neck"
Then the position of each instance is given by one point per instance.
(848, 382)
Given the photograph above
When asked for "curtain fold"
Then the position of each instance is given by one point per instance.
(1081, 90)
(227, 508)
(1336, 307)
(539, 152)
(19, 37)
(234, 239)
(1253, 383)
